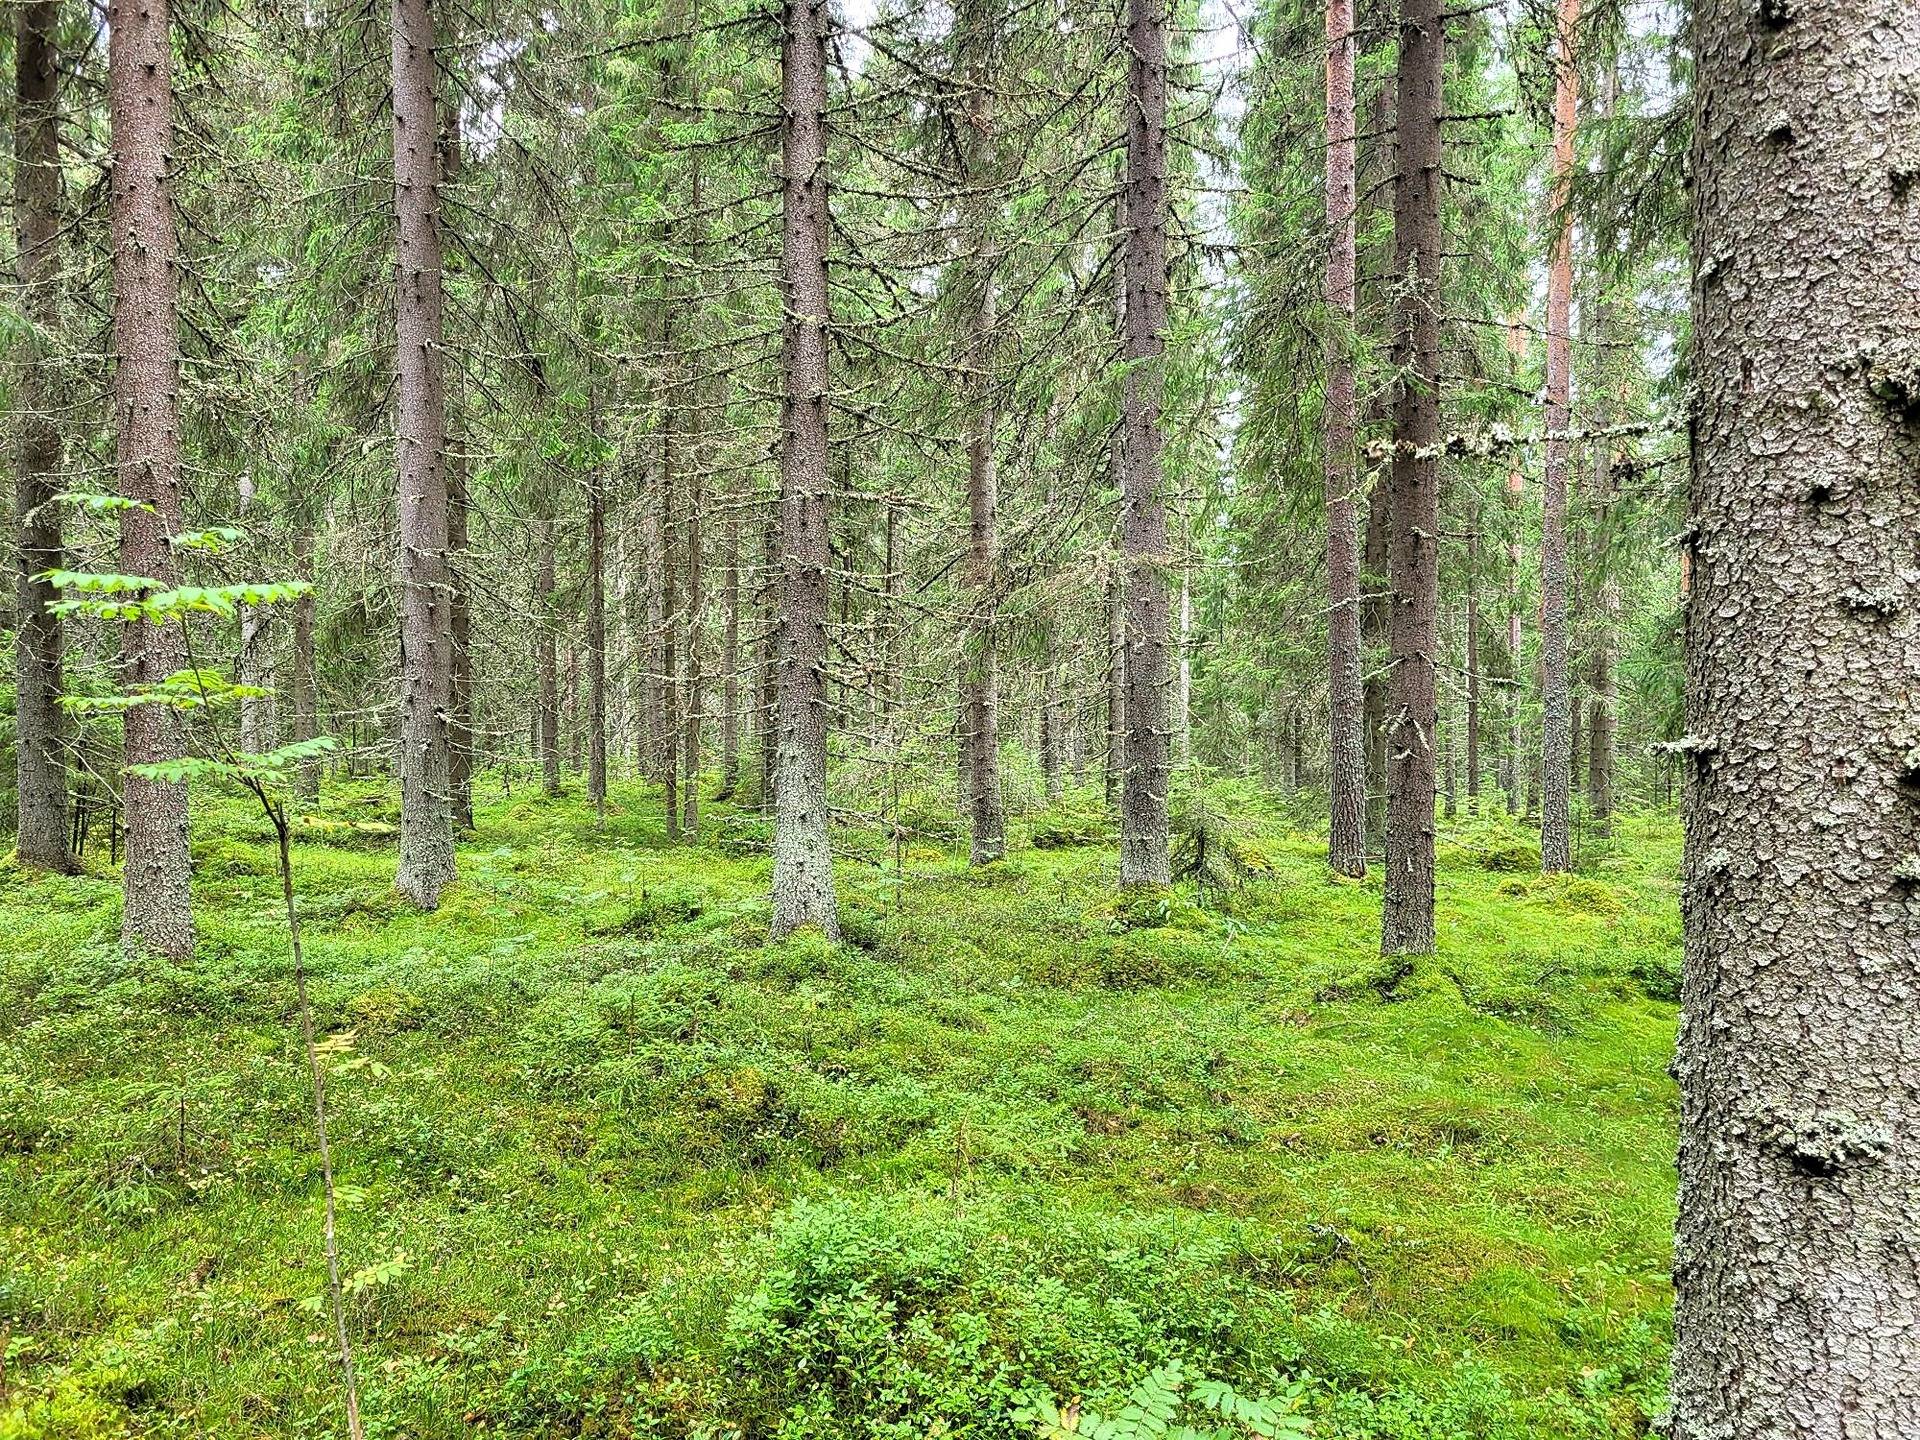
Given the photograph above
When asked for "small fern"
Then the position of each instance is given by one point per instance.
(1169, 1405)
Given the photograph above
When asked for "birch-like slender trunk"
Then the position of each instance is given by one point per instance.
(158, 913)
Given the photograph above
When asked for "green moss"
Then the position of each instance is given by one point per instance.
(1013, 1135)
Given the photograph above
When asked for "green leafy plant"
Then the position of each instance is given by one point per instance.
(1169, 1404)
(201, 696)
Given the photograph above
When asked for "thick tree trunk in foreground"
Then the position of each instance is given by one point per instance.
(426, 650)
(158, 911)
(803, 891)
(1798, 1307)
(1413, 544)
(1346, 745)
(1556, 729)
(1143, 799)
(596, 642)
(40, 729)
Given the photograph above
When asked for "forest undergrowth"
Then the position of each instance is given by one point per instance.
(610, 1164)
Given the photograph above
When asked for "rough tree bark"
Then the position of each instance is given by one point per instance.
(768, 704)
(1798, 1301)
(1144, 858)
(1413, 542)
(974, 27)
(597, 642)
(1556, 728)
(1116, 678)
(157, 914)
(696, 640)
(426, 650)
(40, 729)
(1516, 748)
(1473, 661)
(665, 562)
(546, 656)
(803, 892)
(460, 595)
(1346, 745)
(730, 652)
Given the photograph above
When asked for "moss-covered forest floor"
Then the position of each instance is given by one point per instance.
(612, 1165)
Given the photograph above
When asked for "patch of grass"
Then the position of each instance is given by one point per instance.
(1014, 1137)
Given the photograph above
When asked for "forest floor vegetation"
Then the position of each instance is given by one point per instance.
(611, 1164)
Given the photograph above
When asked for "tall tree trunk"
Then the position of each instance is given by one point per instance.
(730, 653)
(1472, 658)
(1376, 612)
(1556, 729)
(1051, 728)
(1601, 720)
(1516, 756)
(1797, 1296)
(1413, 545)
(893, 686)
(546, 657)
(981, 682)
(426, 651)
(1346, 746)
(1375, 605)
(1144, 856)
(40, 729)
(974, 26)
(803, 892)
(460, 593)
(647, 736)
(696, 640)
(670, 715)
(767, 725)
(1116, 677)
(1183, 671)
(597, 643)
(158, 912)
(699, 457)
(306, 720)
